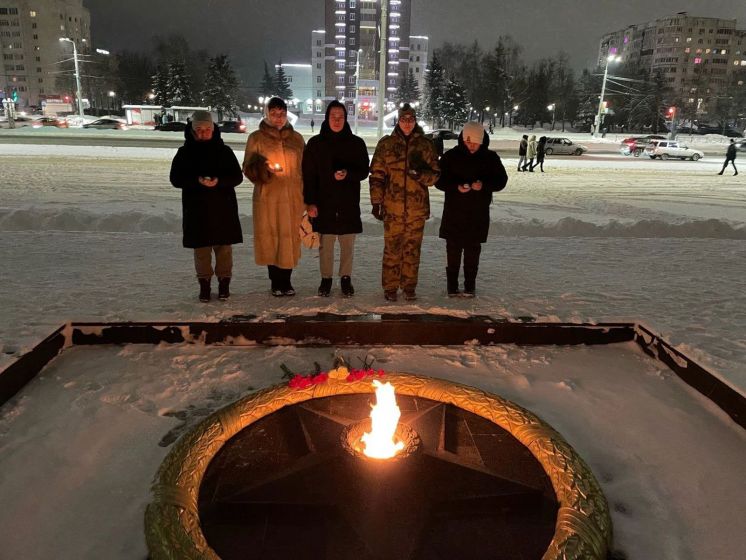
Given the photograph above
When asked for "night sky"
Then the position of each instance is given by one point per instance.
(251, 31)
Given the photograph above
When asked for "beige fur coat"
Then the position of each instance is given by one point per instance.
(278, 196)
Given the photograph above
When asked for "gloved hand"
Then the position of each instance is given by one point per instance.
(378, 212)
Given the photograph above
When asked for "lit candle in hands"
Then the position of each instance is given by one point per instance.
(275, 167)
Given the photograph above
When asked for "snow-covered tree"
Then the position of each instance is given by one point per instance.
(221, 87)
(159, 85)
(434, 90)
(179, 86)
(282, 85)
(408, 91)
(267, 87)
(454, 108)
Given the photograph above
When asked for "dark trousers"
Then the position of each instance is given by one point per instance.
(471, 254)
(725, 164)
(280, 277)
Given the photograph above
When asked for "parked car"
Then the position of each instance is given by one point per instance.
(443, 134)
(59, 122)
(636, 145)
(563, 146)
(106, 124)
(232, 126)
(741, 146)
(173, 126)
(665, 149)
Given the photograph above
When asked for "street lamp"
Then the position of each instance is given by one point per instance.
(77, 74)
(112, 95)
(357, 82)
(551, 107)
(515, 110)
(609, 59)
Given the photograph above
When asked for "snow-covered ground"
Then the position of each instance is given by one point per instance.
(93, 233)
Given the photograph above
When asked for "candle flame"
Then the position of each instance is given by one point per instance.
(379, 443)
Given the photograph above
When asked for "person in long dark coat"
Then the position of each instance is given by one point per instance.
(469, 174)
(334, 163)
(207, 172)
(730, 157)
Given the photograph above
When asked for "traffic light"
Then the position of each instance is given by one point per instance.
(671, 111)
(14, 95)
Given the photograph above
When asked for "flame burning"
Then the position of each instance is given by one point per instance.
(379, 443)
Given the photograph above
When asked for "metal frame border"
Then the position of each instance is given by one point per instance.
(371, 330)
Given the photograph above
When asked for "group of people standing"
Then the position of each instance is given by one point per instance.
(528, 150)
(323, 178)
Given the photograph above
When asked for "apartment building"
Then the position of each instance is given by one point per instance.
(697, 56)
(418, 55)
(352, 39)
(31, 49)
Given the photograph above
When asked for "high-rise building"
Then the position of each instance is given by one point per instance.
(697, 56)
(30, 46)
(418, 55)
(318, 76)
(352, 39)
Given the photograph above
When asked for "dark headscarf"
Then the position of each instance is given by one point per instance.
(327, 132)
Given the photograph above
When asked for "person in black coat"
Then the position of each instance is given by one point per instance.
(730, 157)
(469, 174)
(334, 163)
(207, 172)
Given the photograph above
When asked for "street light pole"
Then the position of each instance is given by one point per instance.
(383, 65)
(610, 58)
(77, 75)
(552, 107)
(357, 86)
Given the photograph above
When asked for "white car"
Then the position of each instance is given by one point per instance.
(665, 149)
(563, 146)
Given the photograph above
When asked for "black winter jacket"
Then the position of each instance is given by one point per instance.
(210, 214)
(466, 216)
(731, 153)
(338, 202)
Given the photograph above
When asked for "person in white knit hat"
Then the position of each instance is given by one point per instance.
(469, 174)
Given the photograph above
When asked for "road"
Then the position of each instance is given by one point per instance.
(505, 144)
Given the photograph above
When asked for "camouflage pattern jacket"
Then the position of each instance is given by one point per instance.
(401, 171)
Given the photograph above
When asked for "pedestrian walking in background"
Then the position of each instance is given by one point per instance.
(207, 172)
(540, 153)
(530, 154)
(404, 166)
(469, 174)
(522, 147)
(334, 163)
(272, 161)
(730, 157)
(312, 125)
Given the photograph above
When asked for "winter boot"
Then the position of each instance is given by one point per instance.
(452, 281)
(470, 281)
(274, 278)
(325, 288)
(287, 287)
(347, 289)
(204, 290)
(224, 288)
(390, 295)
(410, 294)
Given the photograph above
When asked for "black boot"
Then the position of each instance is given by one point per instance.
(347, 289)
(287, 287)
(204, 289)
(274, 278)
(325, 288)
(452, 281)
(470, 281)
(224, 288)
